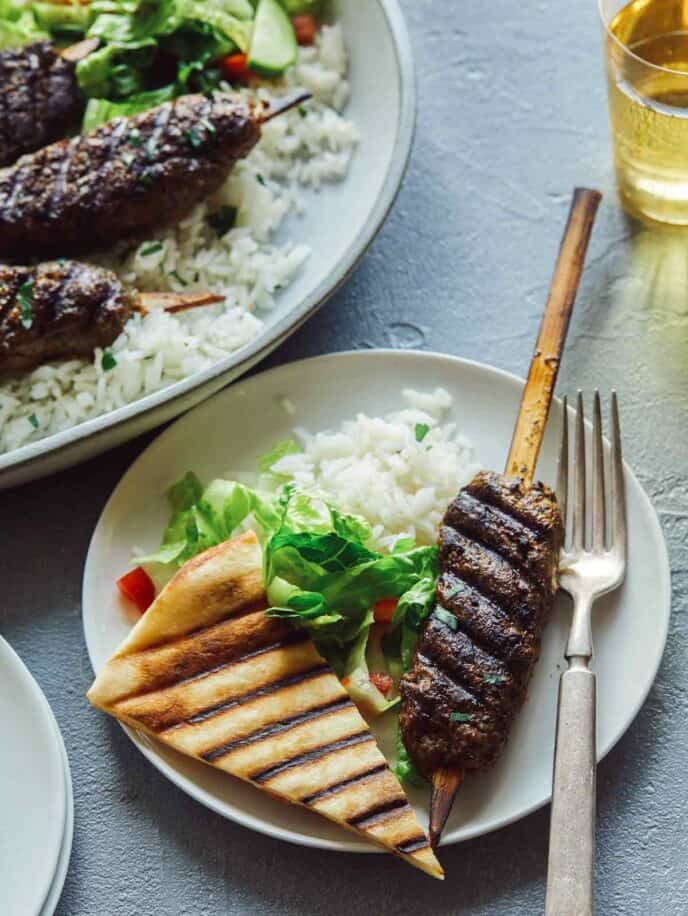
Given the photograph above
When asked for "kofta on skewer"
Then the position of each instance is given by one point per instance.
(499, 543)
(66, 309)
(40, 101)
(128, 177)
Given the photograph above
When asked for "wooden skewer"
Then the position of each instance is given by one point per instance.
(175, 302)
(533, 411)
(81, 49)
(284, 105)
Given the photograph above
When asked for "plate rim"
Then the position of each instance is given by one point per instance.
(55, 892)
(246, 357)
(458, 835)
(51, 723)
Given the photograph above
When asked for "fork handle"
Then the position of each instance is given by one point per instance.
(570, 872)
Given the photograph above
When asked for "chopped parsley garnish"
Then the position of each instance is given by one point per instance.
(462, 717)
(62, 262)
(175, 275)
(151, 249)
(25, 300)
(422, 429)
(209, 126)
(33, 420)
(260, 180)
(446, 618)
(108, 360)
(193, 138)
(147, 179)
(223, 220)
(302, 111)
(135, 137)
(494, 679)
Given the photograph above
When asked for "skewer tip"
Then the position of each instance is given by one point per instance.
(445, 784)
(284, 105)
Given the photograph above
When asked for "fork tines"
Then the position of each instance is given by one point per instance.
(606, 531)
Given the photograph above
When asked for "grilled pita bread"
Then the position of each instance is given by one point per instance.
(207, 672)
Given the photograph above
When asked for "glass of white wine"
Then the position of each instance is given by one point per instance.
(646, 44)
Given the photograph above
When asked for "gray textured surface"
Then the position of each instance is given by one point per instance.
(512, 115)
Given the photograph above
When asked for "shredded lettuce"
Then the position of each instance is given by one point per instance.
(328, 581)
(99, 111)
(134, 32)
(406, 769)
(66, 22)
(18, 25)
(278, 451)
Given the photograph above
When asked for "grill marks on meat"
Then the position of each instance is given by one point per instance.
(499, 552)
(124, 179)
(74, 308)
(40, 99)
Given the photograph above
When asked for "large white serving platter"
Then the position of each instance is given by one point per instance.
(33, 791)
(339, 224)
(229, 431)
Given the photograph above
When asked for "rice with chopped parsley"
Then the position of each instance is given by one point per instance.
(398, 472)
(226, 245)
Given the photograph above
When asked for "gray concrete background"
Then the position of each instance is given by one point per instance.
(512, 114)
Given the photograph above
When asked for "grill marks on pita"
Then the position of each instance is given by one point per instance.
(250, 695)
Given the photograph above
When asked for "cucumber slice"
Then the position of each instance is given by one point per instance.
(273, 45)
(298, 7)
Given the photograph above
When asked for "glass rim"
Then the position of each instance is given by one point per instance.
(624, 47)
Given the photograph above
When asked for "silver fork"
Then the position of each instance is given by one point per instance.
(591, 565)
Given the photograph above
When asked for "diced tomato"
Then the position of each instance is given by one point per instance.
(137, 586)
(235, 67)
(346, 681)
(382, 681)
(305, 28)
(383, 611)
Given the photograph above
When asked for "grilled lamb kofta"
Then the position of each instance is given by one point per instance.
(40, 99)
(63, 309)
(499, 552)
(58, 310)
(125, 178)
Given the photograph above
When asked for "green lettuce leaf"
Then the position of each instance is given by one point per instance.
(100, 111)
(66, 22)
(329, 581)
(18, 25)
(132, 32)
(279, 450)
(406, 769)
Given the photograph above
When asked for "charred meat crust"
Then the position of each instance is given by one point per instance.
(124, 179)
(72, 308)
(499, 552)
(40, 99)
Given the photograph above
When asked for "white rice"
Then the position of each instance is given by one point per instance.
(377, 468)
(309, 147)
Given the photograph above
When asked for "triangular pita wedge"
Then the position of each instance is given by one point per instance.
(208, 673)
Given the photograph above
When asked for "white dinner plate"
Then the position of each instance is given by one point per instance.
(382, 105)
(33, 791)
(232, 429)
(55, 892)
